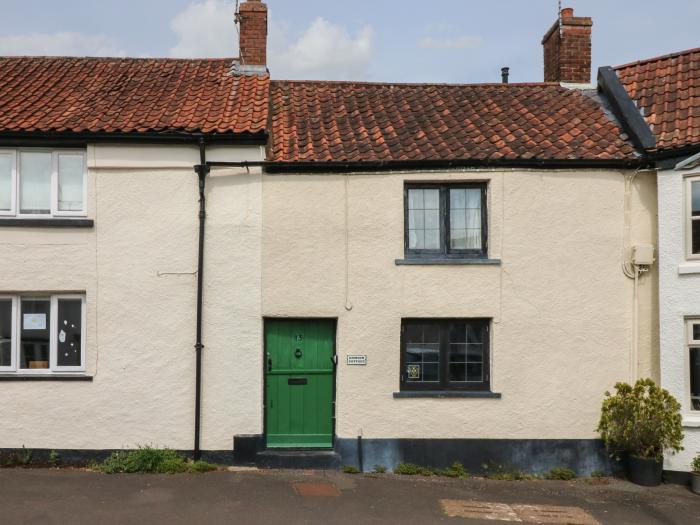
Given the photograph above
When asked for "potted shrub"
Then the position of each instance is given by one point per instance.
(695, 475)
(641, 421)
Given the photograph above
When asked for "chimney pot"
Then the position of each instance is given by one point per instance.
(567, 12)
(505, 71)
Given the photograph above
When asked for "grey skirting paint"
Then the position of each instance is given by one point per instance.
(535, 456)
(83, 457)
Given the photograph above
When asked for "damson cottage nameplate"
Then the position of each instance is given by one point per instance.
(357, 360)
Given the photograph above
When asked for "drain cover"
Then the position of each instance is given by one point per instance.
(517, 513)
(316, 489)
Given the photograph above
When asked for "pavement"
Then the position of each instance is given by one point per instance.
(46, 496)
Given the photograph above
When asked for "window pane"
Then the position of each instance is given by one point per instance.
(5, 332)
(35, 182)
(696, 236)
(5, 182)
(695, 378)
(34, 343)
(696, 332)
(695, 198)
(70, 182)
(466, 353)
(465, 219)
(69, 332)
(422, 353)
(423, 219)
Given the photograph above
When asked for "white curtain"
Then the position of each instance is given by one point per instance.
(35, 182)
(70, 182)
(5, 182)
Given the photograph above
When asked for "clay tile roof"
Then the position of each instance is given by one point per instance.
(116, 95)
(666, 89)
(347, 122)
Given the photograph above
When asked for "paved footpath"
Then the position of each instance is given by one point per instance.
(70, 497)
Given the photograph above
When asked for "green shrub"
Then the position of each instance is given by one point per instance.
(379, 469)
(350, 469)
(560, 473)
(598, 474)
(695, 464)
(643, 420)
(151, 461)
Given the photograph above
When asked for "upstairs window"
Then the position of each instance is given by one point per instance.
(35, 183)
(445, 221)
(693, 218)
(694, 362)
(42, 334)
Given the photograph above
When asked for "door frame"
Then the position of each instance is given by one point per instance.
(335, 371)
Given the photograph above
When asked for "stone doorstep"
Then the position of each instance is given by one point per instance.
(553, 514)
(310, 489)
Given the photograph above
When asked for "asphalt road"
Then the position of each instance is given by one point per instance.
(271, 497)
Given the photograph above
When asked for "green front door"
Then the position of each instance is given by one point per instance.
(299, 364)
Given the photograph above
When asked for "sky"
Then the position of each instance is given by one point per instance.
(457, 41)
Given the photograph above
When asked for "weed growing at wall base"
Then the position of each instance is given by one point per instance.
(150, 460)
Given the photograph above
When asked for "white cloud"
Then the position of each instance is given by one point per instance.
(205, 29)
(62, 43)
(461, 42)
(324, 51)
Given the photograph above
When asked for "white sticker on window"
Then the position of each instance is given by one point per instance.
(34, 321)
(62, 336)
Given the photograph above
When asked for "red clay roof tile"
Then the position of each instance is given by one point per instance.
(116, 95)
(386, 122)
(666, 90)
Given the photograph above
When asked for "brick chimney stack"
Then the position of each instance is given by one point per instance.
(567, 49)
(252, 17)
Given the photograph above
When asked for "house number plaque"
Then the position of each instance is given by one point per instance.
(356, 360)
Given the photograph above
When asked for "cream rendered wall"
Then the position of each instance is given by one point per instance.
(679, 298)
(560, 304)
(137, 268)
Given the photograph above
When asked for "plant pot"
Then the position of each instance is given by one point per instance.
(644, 471)
(695, 482)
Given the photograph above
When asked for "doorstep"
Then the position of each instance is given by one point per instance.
(298, 459)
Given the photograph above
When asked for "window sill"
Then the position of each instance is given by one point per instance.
(45, 377)
(689, 268)
(445, 394)
(691, 421)
(57, 222)
(447, 262)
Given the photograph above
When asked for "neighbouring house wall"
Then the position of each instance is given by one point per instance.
(560, 304)
(137, 267)
(679, 298)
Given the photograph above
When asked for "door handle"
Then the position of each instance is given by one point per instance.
(269, 364)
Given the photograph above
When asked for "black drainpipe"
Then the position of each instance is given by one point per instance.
(201, 170)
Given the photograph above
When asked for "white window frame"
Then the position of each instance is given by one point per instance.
(13, 335)
(53, 331)
(13, 182)
(54, 211)
(688, 219)
(690, 343)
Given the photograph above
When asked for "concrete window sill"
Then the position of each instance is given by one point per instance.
(46, 223)
(45, 377)
(408, 394)
(447, 262)
(688, 268)
(691, 421)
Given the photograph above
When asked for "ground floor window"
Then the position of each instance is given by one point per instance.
(42, 333)
(694, 362)
(445, 354)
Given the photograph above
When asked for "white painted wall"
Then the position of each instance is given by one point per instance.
(561, 306)
(679, 298)
(137, 269)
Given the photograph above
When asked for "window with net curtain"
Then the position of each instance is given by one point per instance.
(42, 183)
(446, 220)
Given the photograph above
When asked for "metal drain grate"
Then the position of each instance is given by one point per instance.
(316, 489)
(517, 513)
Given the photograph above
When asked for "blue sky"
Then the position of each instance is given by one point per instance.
(379, 40)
